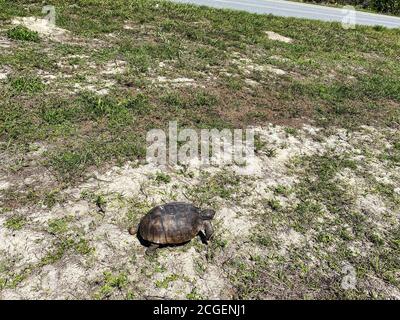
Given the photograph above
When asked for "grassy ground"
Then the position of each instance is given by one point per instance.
(81, 102)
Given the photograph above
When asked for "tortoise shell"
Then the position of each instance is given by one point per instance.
(172, 223)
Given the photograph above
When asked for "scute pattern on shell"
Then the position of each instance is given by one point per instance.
(173, 223)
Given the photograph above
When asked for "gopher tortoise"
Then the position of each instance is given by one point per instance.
(173, 223)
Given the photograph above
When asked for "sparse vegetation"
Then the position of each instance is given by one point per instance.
(15, 223)
(22, 33)
(58, 226)
(111, 282)
(166, 281)
(75, 112)
(26, 84)
(162, 177)
(193, 295)
(223, 185)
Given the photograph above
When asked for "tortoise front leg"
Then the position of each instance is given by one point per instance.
(151, 250)
(208, 229)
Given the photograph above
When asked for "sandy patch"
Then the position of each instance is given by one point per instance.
(4, 72)
(251, 82)
(195, 268)
(114, 67)
(4, 184)
(23, 247)
(277, 37)
(279, 58)
(46, 77)
(97, 78)
(43, 27)
(176, 82)
(288, 239)
(248, 67)
(5, 43)
(234, 224)
(101, 88)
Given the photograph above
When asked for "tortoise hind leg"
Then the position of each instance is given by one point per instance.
(133, 230)
(151, 250)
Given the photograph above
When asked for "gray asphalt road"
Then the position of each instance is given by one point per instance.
(300, 10)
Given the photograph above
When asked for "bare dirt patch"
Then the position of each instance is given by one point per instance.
(4, 72)
(96, 77)
(247, 66)
(177, 82)
(4, 43)
(89, 230)
(277, 37)
(43, 27)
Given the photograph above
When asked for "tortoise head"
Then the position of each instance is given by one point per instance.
(207, 214)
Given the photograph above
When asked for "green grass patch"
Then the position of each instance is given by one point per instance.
(111, 282)
(161, 177)
(166, 281)
(58, 226)
(26, 84)
(23, 33)
(15, 223)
